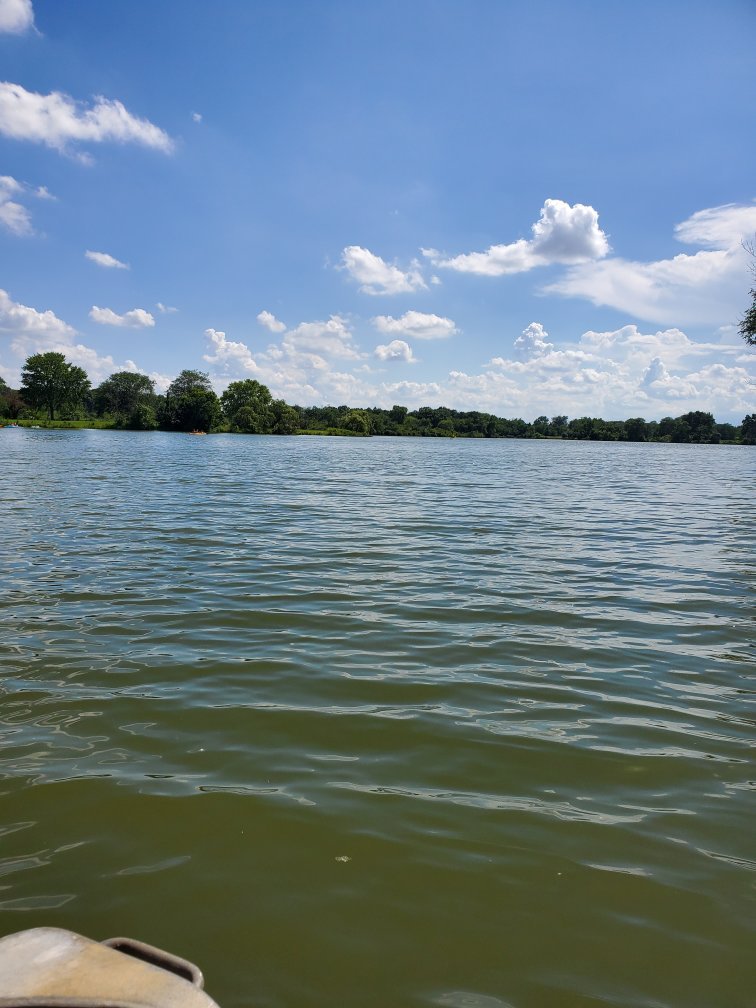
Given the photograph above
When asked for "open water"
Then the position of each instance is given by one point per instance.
(385, 723)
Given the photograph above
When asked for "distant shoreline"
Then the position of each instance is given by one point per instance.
(104, 425)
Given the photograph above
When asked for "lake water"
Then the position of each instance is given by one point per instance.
(385, 722)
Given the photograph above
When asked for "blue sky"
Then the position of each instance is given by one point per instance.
(523, 208)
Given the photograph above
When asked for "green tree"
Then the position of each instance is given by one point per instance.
(122, 393)
(748, 429)
(50, 382)
(558, 426)
(285, 417)
(247, 405)
(541, 426)
(747, 325)
(143, 417)
(701, 427)
(357, 421)
(187, 381)
(190, 403)
(636, 429)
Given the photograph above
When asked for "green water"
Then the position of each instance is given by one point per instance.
(385, 722)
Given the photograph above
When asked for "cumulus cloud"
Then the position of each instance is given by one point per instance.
(31, 331)
(106, 260)
(615, 374)
(228, 355)
(533, 341)
(562, 234)
(20, 320)
(16, 16)
(703, 288)
(14, 216)
(332, 338)
(269, 320)
(58, 121)
(137, 318)
(396, 350)
(658, 382)
(417, 325)
(376, 276)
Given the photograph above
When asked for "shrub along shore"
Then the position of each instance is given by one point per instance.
(56, 393)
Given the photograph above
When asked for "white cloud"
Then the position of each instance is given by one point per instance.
(161, 381)
(562, 234)
(719, 227)
(616, 374)
(14, 216)
(269, 320)
(137, 318)
(332, 338)
(108, 261)
(197, 117)
(533, 341)
(396, 350)
(57, 120)
(658, 382)
(376, 276)
(30, 331)
(228, 355)
(165, 309)
(417, 325)
(20, 320)
(705, 288)
(16, 16)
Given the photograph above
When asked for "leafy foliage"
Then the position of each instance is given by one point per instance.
(248, 407)
(122, 393)
(50, 382)
(747, 326)
(190, 404)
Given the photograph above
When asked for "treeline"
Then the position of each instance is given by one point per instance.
(53, 389)
(696, 427)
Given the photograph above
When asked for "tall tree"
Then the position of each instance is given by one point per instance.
(50, 382)
(122, 392)
(190, 403)
(247, 405)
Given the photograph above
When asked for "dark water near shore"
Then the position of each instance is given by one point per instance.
(385, 722)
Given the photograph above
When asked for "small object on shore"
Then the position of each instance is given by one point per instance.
(198, 432)
(13, 425)
(51, 966)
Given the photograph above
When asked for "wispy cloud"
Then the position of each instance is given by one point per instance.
(106, 260)
(58, 121)
(137, 318)
(165, 309)
(376, 276)
(14, 216)
(703, 288)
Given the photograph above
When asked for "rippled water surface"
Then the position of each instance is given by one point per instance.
(385, 722)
